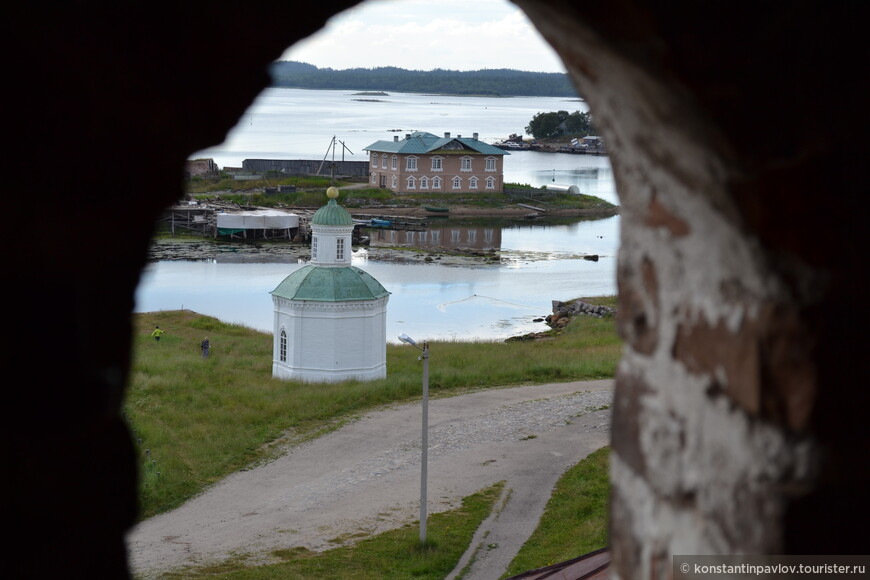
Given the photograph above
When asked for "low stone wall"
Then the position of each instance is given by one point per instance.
(564, 311)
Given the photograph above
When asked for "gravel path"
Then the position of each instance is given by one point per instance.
(364, 479)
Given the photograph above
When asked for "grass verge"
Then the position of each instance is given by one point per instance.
(392, 555)
(310, 190)
(575, 520)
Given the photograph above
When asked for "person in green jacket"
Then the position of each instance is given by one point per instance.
(156, 334)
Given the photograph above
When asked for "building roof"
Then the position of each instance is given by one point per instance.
(329, 284)
(421, 142)
(331, 214)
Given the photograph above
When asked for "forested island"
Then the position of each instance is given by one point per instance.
(485, 82)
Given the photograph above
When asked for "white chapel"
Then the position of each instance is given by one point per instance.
(330, 317)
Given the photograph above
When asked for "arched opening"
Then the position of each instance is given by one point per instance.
(739, 417)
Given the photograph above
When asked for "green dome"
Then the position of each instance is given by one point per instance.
(331, 214)
(324, 284)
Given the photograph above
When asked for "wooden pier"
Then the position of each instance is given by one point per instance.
(387, 222)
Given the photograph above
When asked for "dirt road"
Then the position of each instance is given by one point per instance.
(365, 478)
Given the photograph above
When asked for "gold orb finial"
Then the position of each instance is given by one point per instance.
(332, 192)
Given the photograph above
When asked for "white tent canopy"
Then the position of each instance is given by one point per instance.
(261, 219)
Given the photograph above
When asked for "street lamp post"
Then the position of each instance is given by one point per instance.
(424, 462)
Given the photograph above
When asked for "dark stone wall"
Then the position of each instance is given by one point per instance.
(108, 102)
(308, 167)
(736, 134)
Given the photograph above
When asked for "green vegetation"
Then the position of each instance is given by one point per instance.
(392, 555)
(225, 183)
(560, 124)
(488, 82)
(310, 191)
(197, 420)
(575, 520)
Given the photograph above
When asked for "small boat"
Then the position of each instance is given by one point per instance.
(380, 223)
(436, 209)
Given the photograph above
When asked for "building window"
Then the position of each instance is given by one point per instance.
(412, 182)
(424, 182)
(314, 248)
(472, 183)
(436, 236)
(374, 159)
(339, 250)
(384, 160)
(436, 183)
(374, 178)
(394, 162)
(282, 346)
(490, 183)
(457, 182)
(465, 164)
(411, 164)
(437, 164)
(490, 164)
(394, 182)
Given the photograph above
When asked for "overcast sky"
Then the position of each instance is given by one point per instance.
(425, 35)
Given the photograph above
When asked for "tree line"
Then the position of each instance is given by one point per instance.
(485, 82)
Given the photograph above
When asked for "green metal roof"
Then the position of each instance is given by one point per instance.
(331, 214)
(421, 142)
(328, 284)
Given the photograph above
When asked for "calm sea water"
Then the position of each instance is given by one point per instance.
(540, 262)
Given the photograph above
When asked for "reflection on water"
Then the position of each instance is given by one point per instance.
(434, 237)
(429, 301)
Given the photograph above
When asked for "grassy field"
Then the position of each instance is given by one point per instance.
(197, 420)
(310, 190)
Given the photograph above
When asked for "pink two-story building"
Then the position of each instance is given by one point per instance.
(423, 162)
